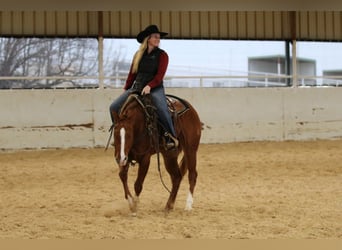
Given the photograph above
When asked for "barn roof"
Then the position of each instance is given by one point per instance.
(191, 19)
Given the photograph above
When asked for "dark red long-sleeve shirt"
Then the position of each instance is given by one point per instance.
(158, 78)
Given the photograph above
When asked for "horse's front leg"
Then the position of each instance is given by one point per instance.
(142, 171)
(123, 173)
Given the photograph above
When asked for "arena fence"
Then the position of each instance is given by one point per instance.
(231, 81)
(63, 118)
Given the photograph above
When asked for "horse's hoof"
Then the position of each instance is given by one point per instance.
(167, 212)
(168, 208)
(132, 203)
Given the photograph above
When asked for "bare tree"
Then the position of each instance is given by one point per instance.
(115, 62)
(46, 57)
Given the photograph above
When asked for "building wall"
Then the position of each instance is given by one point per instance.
(80, 118)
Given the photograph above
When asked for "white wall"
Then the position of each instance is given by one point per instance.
(80, 118)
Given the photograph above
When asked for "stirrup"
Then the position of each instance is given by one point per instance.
(170, 145)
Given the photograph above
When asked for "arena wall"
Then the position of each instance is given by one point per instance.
(80, 118)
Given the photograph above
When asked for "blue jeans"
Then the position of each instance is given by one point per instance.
(159, 100)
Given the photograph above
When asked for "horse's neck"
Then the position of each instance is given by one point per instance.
(137, 119)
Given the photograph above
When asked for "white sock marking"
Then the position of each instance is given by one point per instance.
(130, 201)
(132, 205)
(189, 202)
(122, 151)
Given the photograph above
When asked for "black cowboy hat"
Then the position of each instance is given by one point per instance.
(148, 31)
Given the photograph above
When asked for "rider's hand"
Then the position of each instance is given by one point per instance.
(146, 90)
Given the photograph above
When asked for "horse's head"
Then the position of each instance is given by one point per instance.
(128, 125)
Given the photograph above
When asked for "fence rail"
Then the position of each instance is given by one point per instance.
(252, 80)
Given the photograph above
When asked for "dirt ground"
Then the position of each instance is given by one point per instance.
(259, 190)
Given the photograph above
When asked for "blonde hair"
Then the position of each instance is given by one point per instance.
(138, 55)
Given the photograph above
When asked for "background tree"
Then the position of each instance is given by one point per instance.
(115, 63)
(40, 57)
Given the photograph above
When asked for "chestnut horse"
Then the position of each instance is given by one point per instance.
(136, 139)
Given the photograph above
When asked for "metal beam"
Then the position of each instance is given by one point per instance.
(174, 5)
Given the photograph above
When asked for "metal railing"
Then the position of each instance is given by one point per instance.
(200, 81)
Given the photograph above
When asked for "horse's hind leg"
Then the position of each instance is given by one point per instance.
(183, 167)
(191, 161)
(172, 168)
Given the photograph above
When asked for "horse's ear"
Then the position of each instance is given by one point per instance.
(115, 116)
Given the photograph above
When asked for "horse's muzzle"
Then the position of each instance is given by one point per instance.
(121, 162)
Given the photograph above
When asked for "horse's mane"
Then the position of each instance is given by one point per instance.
(132, 101)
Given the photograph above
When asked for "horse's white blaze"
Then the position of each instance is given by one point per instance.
(122, 148)
(189, 202)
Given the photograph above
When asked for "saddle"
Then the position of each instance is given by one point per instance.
(176, 105)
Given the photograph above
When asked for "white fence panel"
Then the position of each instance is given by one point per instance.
(80, 117)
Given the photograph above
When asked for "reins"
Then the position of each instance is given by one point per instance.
(111, 130)
(152, 126)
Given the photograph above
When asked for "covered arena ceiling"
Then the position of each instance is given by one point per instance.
(174, 5)
(191, 19)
